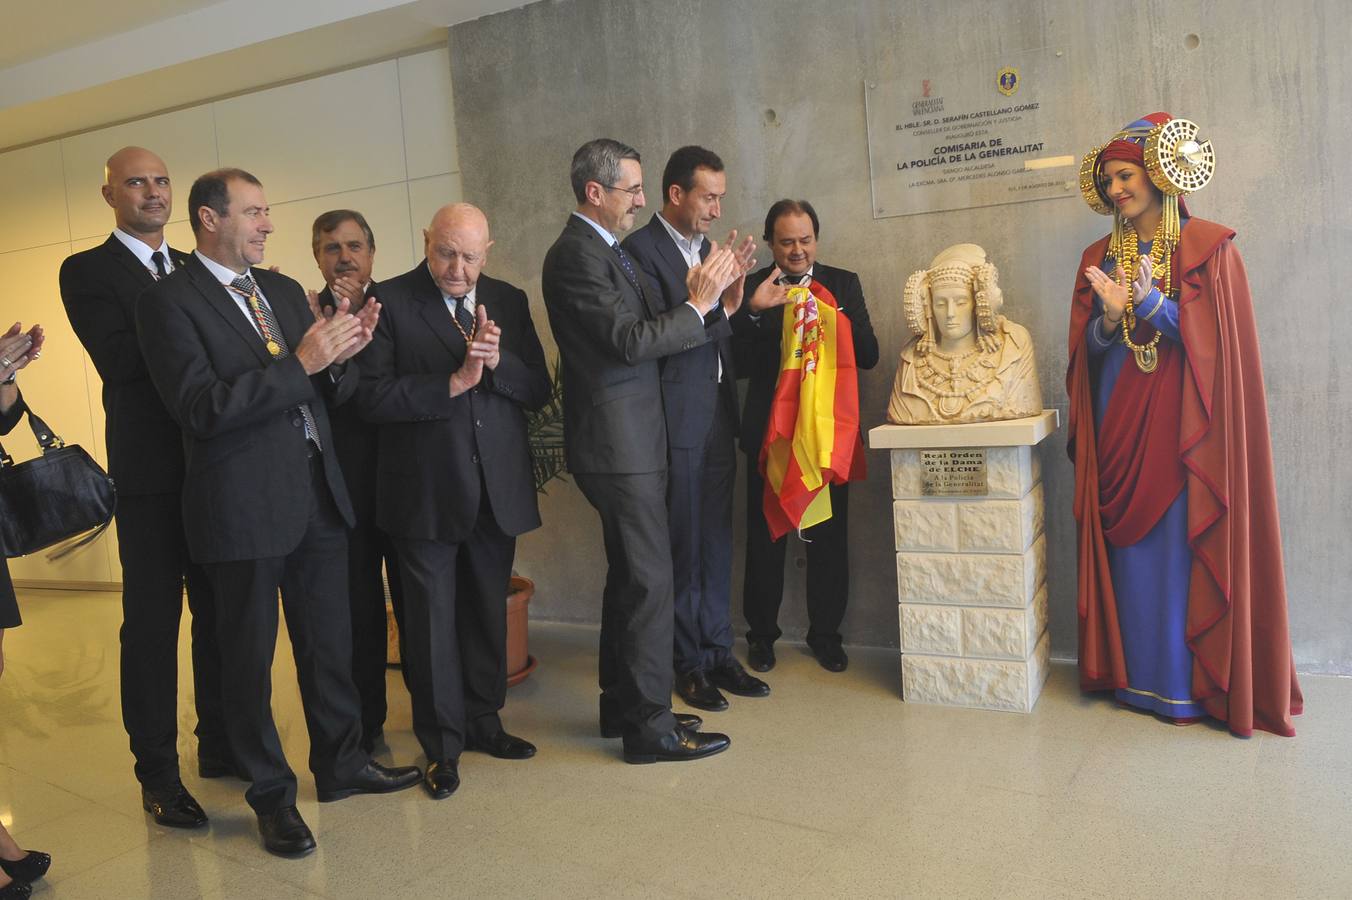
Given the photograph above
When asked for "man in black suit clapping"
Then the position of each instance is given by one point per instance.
(454, 366)
(247, 367)
(345, 249)
(699, 402)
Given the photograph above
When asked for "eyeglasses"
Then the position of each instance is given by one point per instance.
(632, 192)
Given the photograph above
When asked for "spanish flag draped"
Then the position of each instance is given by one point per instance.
(812, 438)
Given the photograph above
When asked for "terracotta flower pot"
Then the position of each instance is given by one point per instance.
(519, 661)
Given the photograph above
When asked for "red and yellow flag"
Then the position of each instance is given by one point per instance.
(812, 438)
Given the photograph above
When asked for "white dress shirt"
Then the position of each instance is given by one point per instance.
(143, 251)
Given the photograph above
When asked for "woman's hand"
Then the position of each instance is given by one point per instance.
(1112, 291)
(1144, 281)
(19, 348)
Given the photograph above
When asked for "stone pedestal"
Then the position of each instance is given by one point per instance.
(971, 568)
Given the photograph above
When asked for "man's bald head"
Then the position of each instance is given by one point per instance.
(136, 185)
(456, 243)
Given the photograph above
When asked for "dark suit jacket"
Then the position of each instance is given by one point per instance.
(611, 332)
(9, 604)
(99, 287)
(354, 438)
(434, 446)
(247, 487)
(690, 387)
(758, 345)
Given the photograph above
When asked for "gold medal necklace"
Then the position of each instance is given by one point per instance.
(1147, 358)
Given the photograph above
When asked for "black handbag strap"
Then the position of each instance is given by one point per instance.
(47, 439)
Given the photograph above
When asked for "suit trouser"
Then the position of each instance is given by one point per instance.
(155, 565)
(313, 582)
(828, 567)
(370, 555)
(699, 507)
(455, 645)
(636, 607)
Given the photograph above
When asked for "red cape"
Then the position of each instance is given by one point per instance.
(1243, 672)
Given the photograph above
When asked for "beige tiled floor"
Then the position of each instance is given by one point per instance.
(833, 787)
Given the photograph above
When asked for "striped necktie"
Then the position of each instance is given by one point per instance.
(274, 340)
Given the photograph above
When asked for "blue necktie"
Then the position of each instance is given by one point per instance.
(627, 265)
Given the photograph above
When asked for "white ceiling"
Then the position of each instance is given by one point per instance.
(155, 55)
(31, 31)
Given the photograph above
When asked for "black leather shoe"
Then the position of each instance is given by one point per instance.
(285, 833)
(173, 807)
(442, 778)
(680, 745)
(697, 691)
(731, 677)
(831, 657)
(30, 868)
(16, 890)
(760, 655)
(373, 778)
(613, 728)
(503, 746)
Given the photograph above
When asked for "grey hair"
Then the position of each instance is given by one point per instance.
(598, 160)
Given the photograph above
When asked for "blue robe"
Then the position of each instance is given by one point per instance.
(1150, 577)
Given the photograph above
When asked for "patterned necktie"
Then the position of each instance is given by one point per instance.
(158, 259)
(274, 340)
(791, 280)
(464, 318)
(625, 263)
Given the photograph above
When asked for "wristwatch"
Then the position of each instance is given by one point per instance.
(10, 380)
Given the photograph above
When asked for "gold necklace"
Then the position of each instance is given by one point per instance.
(1147, 357)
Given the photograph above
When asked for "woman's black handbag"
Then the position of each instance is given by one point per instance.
(62, 494)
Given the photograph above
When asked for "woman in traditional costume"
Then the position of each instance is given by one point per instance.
(1181, 593)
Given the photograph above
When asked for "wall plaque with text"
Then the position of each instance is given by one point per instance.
(972, 134)
(953, 473)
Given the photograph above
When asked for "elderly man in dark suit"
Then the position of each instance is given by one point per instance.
(345, 249)
(247, 368)
(454, 366)
(611, 331)
(99, 288)
(791, 228)
(699, 402)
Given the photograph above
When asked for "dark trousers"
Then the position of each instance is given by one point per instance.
(313, 582)
(455, 645)
(828, 568)
(370, 555)
(636, 607)
(699, 508)
(155, 566)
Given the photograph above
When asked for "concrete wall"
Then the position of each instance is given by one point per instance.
(1268, 83)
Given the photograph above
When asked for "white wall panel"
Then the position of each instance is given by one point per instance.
(429, 114)
(185, 140)
(317, 137)
(425, 197)
(34, 198)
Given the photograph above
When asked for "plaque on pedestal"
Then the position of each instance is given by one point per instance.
(971, 567)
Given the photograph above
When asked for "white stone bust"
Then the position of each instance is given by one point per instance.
(963, 362)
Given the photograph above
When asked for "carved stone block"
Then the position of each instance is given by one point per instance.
(922, 525)
(931, 629)
(1007, 526)
(1003, 633)
(990, 579)
(987, 684)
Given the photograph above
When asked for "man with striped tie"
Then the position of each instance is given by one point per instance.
(248, 368)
